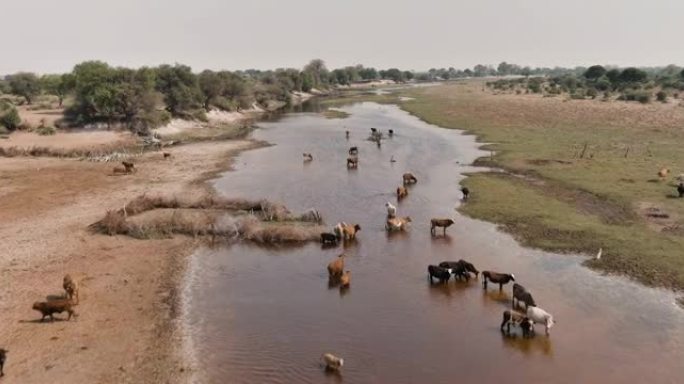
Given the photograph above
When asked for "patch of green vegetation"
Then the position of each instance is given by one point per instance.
(335, 114)
(540, 220)
(582, 174)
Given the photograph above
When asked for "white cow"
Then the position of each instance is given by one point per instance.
(539, 315)
(391, 210)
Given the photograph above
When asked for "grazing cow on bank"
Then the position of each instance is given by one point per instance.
(353, 151)
(408, 178)
(496, 278)
(332, 362)
(663, 173)
(166, 155)
(71, 288)
(540, 316)
(524, 322)
(521, 294)
(3, 358)
(307, 157)
(401, 192)
(439, 273)
(352, 162)
(328, 238)
(397, 223)
(336, 267)
(349, 231)
(130, 167)
(680, 189)
(391, 210)
(49, 308)
(466, 193)
(442, 223)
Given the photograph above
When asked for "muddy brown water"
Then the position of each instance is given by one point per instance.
(265, 315)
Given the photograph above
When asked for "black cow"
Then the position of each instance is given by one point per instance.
(328, 238)
(439, 273)
(521, 294)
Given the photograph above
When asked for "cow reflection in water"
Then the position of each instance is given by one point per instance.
(529, 346)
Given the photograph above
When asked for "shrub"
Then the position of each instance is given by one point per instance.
(661, 96)
(46, 131)
(591, 92)
(10, 119)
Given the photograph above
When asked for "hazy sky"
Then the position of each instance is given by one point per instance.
(52, 36)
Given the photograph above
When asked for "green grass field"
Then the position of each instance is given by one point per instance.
(554, 198)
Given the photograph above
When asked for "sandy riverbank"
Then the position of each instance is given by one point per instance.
(127, 329)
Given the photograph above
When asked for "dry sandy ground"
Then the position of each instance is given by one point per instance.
(126, 331)
(68, 141)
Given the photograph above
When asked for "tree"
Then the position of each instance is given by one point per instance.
(613, 75)
(212, 86)
(632, 75)
(25, 84)
(393, 74)
(58, 85)
(594, 72)
(318, 72)
(180, 88)
(504, 69)
(681, 74)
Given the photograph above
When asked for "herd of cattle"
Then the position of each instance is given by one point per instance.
(443, 272)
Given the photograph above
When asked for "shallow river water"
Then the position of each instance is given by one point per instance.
(265, 315)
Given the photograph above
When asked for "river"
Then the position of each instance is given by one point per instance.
(265, 315)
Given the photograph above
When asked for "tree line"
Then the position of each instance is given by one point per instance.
(629, 84)
(147, 97)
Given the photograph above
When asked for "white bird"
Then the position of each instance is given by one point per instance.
(598, 255)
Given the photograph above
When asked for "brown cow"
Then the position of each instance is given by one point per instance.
(401, 192)
(352, 162)
(349, 231)
(409, 178)
(336, 267)
(48, 308)
(345, 279)
(71, 289)
(443, 223)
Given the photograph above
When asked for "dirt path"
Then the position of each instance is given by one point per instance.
(126, 329)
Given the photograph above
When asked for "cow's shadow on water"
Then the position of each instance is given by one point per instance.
(451, 289)
(441, 239)
(539, 343)
(496, 297)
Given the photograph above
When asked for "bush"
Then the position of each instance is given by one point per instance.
(661, 96)
(643, 97)
(10, 119)
(46, 131)
(591, 92)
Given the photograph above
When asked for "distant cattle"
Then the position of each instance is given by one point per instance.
(328, 238)
(466, 193)
(442, 223)
(402, 192)
(408, 178)
(353, 151)
(352, 162)
(332, 362)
